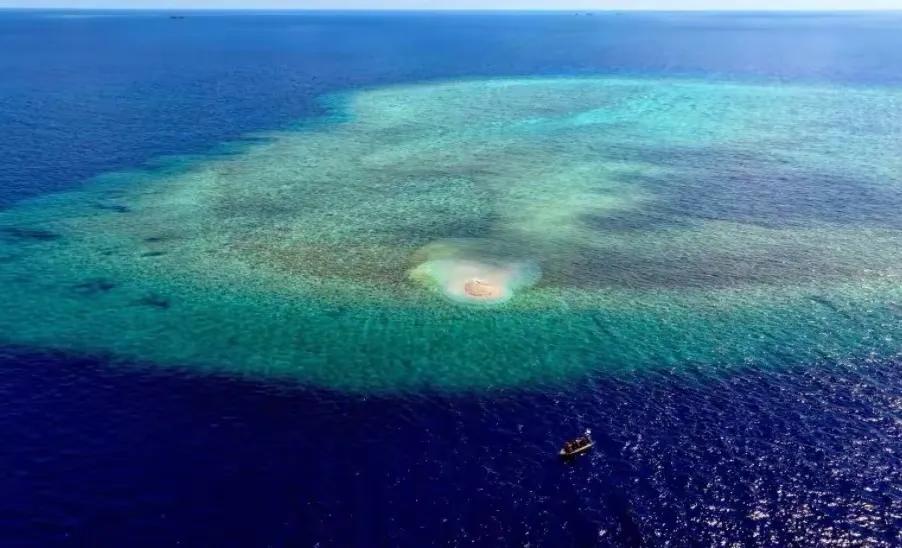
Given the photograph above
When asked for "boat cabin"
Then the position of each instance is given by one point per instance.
(576, 446)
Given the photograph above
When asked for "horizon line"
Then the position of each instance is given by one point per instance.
(452, 9)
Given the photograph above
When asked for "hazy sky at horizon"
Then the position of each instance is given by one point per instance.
(469, 4)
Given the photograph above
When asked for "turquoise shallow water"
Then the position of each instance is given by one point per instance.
(627, 223)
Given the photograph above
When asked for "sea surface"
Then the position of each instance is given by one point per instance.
(235, 247)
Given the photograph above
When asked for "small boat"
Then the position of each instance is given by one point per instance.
(577, 446)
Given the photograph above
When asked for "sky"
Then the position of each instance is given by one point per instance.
(470, 4)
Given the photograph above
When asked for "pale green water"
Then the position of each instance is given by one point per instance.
(631, 223)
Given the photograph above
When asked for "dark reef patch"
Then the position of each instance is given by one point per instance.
(607, 268)
(33, 234)
(114, 207)
(736, 184)
(154, 301)
(94, 287)
(158, 239)
(830, 305)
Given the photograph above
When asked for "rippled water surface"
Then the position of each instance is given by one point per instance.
(280, 291)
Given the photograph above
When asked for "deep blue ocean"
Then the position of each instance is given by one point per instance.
(93, 454)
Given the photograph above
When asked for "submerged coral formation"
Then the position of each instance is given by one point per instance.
(592, 223)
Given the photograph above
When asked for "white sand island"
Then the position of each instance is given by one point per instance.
(470, 280)
(481, 289)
